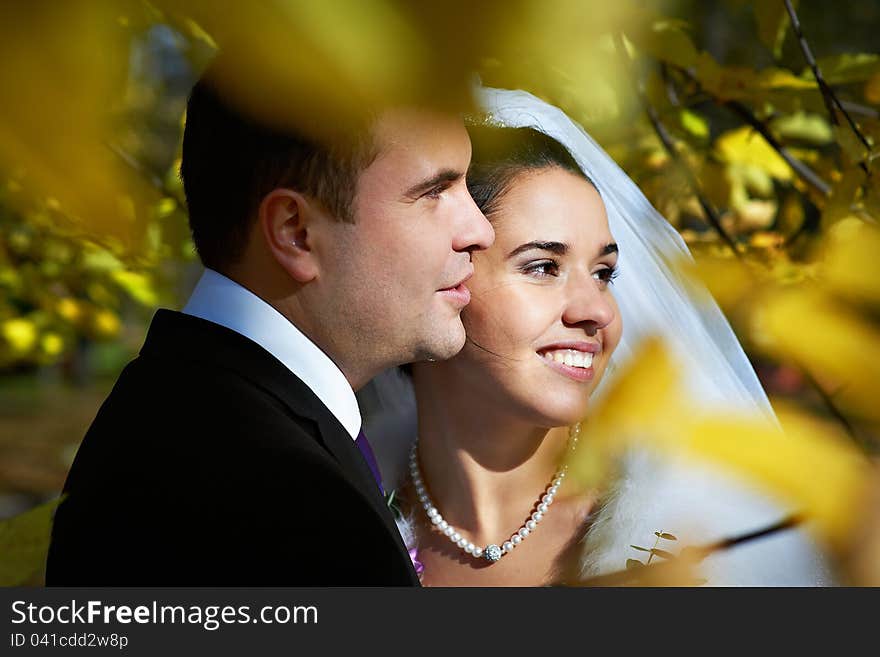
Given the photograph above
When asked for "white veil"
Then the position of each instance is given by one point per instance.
(653, 298)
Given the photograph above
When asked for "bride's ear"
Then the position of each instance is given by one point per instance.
(286, 217)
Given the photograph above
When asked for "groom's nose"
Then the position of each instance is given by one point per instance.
(473, 231)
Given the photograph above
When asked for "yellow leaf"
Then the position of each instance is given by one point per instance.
(24, 543)
(745, 146)
(850, 144)
(729, 281)
(69, 309)
(105, 325)
(843, 196)
(138, 286)
(165, 207)
(667, 42)
(846, 68)
(716, 183)
(779, 78)
(872, 89)
(694, 124)
(71, 55)
(766, 240)
(52, 344)
(808, 464)
(20, 334)
(756, 214)
(643, 397)
(773, 21)
(807, 127)
(851, 264)
(97, 259)
(820, 333)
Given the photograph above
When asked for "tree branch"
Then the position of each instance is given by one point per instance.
(835, 412)
(828, 96)
(800, 168)
(668, 143)
(692, 555)
(805, 172)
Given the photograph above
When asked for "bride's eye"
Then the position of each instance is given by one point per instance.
(541, 268)
(606, 275)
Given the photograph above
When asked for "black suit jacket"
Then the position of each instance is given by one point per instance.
(210, 463)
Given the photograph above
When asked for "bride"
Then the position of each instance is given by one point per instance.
(580, 271)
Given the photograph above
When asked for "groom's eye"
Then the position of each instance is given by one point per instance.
(434, 192)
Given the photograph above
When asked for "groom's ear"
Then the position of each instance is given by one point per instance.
(285, 218)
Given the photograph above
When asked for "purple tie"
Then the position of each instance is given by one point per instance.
(369, 457)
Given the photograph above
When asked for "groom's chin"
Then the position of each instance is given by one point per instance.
(446, 341)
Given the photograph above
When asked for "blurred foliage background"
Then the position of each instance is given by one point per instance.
(752, 126)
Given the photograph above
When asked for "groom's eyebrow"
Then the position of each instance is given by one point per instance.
(557, 248)
(444, 177)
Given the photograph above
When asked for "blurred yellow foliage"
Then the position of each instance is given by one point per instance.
(20, 334)
(105, 324)
(138, 286)
(62, 65)
(807, 464)
(744, 147)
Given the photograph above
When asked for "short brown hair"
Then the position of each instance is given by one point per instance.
(231, 160)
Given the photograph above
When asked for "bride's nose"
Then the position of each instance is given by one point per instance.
(588, 303)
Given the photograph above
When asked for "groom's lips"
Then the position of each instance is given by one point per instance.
(458, 293)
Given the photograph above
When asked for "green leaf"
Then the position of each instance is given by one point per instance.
(694, 124)
(773, 22)
(634, 563)
(665, 536)
(850, 144)
(846, 68)
(636, 547)
(667, 42)
(100, 260)
(662, 553)
(138, 286)
(24, 544)
(843, 196)
(811, 128)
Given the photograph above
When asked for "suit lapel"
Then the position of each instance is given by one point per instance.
(177, 335)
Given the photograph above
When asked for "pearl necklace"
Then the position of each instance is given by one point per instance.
(491, 552)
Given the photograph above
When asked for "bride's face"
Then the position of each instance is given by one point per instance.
(542, 322)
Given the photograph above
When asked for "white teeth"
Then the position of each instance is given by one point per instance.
(570, 357)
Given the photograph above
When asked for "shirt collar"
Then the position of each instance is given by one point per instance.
(221, 300)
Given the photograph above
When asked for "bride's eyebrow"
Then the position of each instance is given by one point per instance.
(611, 247)
(557, 248)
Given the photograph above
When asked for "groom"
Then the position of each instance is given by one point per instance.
(230, 451)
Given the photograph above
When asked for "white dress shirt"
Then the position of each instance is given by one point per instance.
(221, 300)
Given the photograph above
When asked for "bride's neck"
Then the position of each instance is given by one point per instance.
(483, 466)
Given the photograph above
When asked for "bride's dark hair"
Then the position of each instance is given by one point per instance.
(501, 154)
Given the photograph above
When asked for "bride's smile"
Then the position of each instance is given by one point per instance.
(543, 322)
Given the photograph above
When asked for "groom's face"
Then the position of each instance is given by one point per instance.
(400, 269)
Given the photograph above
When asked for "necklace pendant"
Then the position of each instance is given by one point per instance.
(492, 553)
